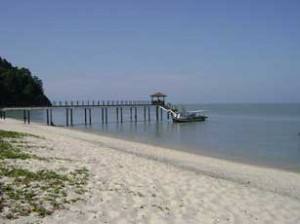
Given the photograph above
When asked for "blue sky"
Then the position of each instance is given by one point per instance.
(195, 51)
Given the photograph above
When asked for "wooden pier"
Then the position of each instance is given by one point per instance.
(90, 109)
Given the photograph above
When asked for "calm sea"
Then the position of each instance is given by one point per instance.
(261, 134)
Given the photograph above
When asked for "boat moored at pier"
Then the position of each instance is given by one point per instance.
(189, 116)
(185, 116)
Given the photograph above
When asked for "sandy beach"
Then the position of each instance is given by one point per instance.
(132, 182)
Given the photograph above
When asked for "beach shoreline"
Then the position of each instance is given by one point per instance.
(190, 187)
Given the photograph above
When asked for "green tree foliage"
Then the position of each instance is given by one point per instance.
(18, 87)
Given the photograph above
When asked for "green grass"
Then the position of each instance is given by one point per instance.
(30, 190)
(8, 151)
(13, 134)
(8, 148)
(40, 192)
(32, 176)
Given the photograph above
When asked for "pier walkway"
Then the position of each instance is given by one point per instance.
(119, 106)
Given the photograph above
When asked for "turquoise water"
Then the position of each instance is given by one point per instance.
(262, 134)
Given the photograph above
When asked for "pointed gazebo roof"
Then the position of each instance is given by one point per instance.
(158, 98)
(158, 94)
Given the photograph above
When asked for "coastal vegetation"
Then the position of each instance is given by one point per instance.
(18, 87)
(40, 191)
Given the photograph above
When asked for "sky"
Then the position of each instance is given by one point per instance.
(195, 51)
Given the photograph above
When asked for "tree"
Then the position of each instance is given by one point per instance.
(19, 88)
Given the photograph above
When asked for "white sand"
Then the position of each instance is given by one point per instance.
(137, 183)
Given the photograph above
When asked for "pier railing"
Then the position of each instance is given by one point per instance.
(99, 103)
(61, 103)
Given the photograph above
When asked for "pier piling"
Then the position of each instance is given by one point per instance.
(47, 115)
(106, 118)
(85, 119)
(24, 116)
(90, 114)
(67, 117)
(28, 116)
(121, 110)
(71, 116)
(51, 118)
(117, 113)
(149, 114)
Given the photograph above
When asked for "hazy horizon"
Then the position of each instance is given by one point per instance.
(194, 51)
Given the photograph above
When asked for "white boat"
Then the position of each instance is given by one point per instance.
(186, 116)
(189, 116)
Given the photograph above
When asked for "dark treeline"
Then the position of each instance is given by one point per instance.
(18, 87)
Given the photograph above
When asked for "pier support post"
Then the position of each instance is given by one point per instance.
(4, 115)
(47, 116)
(161, 114)
(67, 117)
(121, 110)
(149, 114)
(51, 118)
(28, 116)
(117, 113)
(144, 113)
(157, 113)
(90, 114)
(1, 116)
(85, 121)
(130, 113)
(71, 116)
(102, 115)
(106, 118)
(24, 116)
(135, 114)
